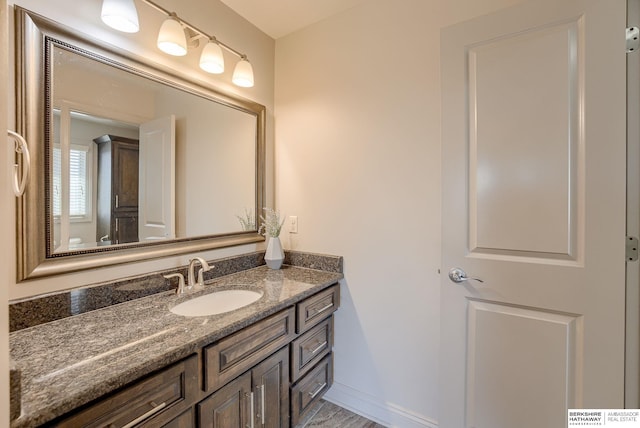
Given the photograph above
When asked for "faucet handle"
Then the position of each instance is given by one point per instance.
(180, 277)
(205, 268)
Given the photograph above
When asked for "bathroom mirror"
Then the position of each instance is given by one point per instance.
(129, 161)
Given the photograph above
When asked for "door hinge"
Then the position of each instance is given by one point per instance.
(632, 249)
(633, 39)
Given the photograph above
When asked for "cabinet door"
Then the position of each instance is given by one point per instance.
(230, 407)
(271, 390)
(125, 229)
(125, 175)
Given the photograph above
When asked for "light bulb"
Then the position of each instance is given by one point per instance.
(243, 73)
(211, 59)
(121, 15)
(171, 37)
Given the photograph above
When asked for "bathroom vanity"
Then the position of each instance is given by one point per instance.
(138, 364)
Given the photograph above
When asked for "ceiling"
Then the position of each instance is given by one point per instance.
(278, 18)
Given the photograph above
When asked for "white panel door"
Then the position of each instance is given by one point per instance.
(156, 212)
(534, 205)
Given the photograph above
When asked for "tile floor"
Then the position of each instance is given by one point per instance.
(328, 415)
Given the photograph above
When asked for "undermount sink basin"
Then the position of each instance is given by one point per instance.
(215, 303)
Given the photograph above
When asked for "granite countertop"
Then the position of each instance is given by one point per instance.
(72, 361)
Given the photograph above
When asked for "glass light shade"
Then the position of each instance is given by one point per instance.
(243, 74)
(121, 15)
(211, 59)
(171, 38)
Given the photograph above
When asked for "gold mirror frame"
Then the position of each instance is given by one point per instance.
(35, 38)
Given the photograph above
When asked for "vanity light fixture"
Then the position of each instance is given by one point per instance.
(211, 59)
(176, 36)
(243, 73)
(121, 15)
(172, 39)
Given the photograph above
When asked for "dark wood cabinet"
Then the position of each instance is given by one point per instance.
(229, 407)
(154, 400)
(311, 357)
(118, 178)
(310, 348)
(261, 394)
(316, 308)
(310, 388)
(239, 352)
(270, 381)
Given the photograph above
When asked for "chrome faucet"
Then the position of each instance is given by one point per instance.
(192, 284)
(191, 277)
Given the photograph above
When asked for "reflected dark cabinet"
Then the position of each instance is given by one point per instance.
(117, 209)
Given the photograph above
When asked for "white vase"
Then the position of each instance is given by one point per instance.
(274, 256)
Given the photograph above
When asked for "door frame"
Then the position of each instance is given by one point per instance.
(632, 339)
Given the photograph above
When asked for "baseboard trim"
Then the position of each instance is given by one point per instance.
(384, 413)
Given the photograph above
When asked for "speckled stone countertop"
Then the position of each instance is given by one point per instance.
(72, 361)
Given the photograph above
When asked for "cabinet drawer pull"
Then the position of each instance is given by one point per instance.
(319, 311)
(147, 415)
(320, 346)
(251, 410)
(317, 391)
(262, 402)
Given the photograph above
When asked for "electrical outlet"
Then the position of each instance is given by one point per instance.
(293, 224)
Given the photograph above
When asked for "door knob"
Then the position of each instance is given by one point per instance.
(457, 275)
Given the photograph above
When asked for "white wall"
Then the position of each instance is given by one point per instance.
(215, 174)
(211, 16)
(358, 161)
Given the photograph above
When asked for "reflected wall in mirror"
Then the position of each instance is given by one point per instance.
(132, 162)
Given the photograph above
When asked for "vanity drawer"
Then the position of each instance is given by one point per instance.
(235, 354)
(311, 388)
(155, 399)
(184, 420)
(309, 348)
(317, 307)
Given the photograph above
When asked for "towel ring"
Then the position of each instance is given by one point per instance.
(18, 183)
